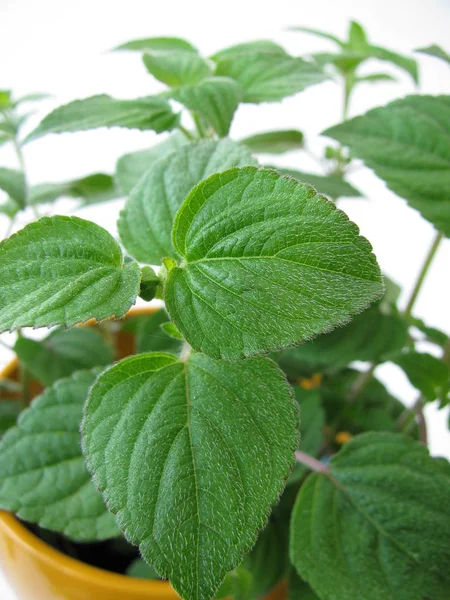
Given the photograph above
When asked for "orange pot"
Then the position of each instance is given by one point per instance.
(36, 571)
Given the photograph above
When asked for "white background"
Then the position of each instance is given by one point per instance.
(62, 47)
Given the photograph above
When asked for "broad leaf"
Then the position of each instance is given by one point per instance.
(266, 263)
(312, 423)
(269, 76)
(62, 353)
(193, 489)
(140, 569)
(9, 411)
(151, 112)
(436, 51)
(177, 68)
(13, 183)
(131, 167)
(158, 43)
(330, 185)
(249, 48)
(378, 525)
(275, 142)
(43, 476)
(145, 224)
(216, 99)
(413, 161)
(95, 188)
(424, 371)
(63, 271)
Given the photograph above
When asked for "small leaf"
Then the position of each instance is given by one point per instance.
(413, 161)
(375, 78)
(140, 569)
(436, 51)
(275, 142)
(130, 167)
(330, 185)
(151, 338)
(424, 371)
(237, 585)
(146, 113)
(269, 76)
(5, 99)
(31, 98)
(13, 183)
(436, 336)
(317, 32)
(9, 409)
(158, 43)
(43, 476)
(357, 38)
(10, 208)
(403, 62)
(266, 263)
(378, 525)
(63, 271)
(95, 188)
(62, 353)
(149, 284)
(216, 99)
(171, 330)
(145, 224)
(249, 48)
(176, 68)
(219, 468)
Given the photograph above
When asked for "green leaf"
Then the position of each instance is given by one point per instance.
(63, 271)
(30, 98)
(151, 338)
(145, 224)
(62, 353)
(253, 244)
(158, 43)
(13, 183)
(237, 585)
(9, 411)
(371, 336)
(216, 99)
(249, 48)
(269, 76)
(131, 167)
(436, 51)
(357, 38)
(330, 185)
(413, 161)
(10, 208)
(151, 112)
(43, 476)
(378, 525)
(425, 372)
(388, 303)
(275, 142)
(5, 99)
(171, 330)
(312, 423)
(403, 62)
(433, 335)
(140, 569)
(149, 284)
(375, 78)
(217, 464)
(177, 68)
(299, 589)
(317, 32)
(95, 188)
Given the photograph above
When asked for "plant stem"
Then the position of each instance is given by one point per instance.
(422, 274)
(21, 159)
(310, 462)
(348, 87)
(199, 126)
(362, 381)
(406, 419)
(185, 351)
(186, 133)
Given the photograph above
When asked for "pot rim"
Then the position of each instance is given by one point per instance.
(71, 566)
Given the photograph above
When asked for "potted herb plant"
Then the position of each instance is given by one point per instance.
(225, 442)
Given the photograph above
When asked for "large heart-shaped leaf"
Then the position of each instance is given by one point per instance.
(414, 161)
(43, 476)
(190, 459)
(145, 224)
(62, 271)
(266, 262)
(151, 112)
(377, 525)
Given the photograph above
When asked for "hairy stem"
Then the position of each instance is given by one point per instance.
(310, 462)
(422, 274)
(361, 382)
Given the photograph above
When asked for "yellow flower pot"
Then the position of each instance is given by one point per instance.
(36, 571)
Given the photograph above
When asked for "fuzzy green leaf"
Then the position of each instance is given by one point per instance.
(436, 51)
(62, 353)
(158, 43)
(43, 476)
(13, 183)
(192, 475)
(424, 371)
(330, 185)
(141, 570)
(249, 48)
(151, 112)
(269, 76)
(9, 411)
(171, 330)
(413, 161)
(175, 68)
(63, 271)
(145, 224)
(216, 99)
(130, 167)
(266, 263)
(402, 62)
(378, 526)
(92, 189)
(275, 142)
